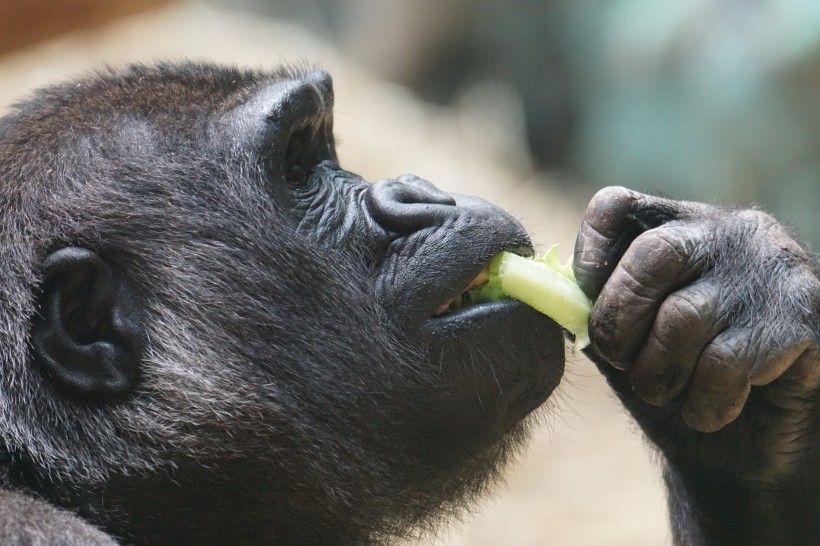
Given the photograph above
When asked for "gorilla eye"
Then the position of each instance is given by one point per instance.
(296, 176)
(298, 158)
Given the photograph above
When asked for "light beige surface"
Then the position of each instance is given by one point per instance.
(586, 479)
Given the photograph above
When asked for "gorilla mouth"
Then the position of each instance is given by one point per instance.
(468, 296)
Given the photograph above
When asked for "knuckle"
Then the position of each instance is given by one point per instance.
(704, 416)
(756, 225)
(695, 306)
(669, 247)
(757, 219)
(635, 280)
(662, 342)
(807, 368)
(721, 369)
(718, 391)
(799, 369)
(687, 310)
(717, 361)
(679, 242)
(659, 258)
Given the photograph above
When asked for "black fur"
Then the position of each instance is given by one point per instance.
(292, 387)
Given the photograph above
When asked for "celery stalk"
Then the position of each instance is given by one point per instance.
(546, 286)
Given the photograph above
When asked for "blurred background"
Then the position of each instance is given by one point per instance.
(715, 100)
(531, 104)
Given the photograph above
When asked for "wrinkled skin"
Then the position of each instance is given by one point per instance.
(706, 324)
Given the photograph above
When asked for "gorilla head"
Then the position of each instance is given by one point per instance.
(211, 333)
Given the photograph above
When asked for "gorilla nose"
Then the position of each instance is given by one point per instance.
(408, 204)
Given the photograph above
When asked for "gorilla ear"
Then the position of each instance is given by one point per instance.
(88, 337)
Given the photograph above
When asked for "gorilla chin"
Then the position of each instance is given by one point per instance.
(521, 351)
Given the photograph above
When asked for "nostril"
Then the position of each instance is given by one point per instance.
(408, 204)
(423, 191)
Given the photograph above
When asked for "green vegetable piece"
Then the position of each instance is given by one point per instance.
(545, 285)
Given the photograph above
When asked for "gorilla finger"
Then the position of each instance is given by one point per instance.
(777, 349)
(720, 385)
(605, 233)
(656, 263)
(614, 217)
(802, 375)
(686, 322)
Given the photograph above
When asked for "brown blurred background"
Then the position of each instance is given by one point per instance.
(26, 22)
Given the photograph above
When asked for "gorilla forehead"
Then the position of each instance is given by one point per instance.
(165, 93)
(136, 135)
(138, 118)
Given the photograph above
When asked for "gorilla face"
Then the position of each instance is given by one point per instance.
(233, 339)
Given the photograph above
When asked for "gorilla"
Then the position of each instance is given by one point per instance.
(210, 333)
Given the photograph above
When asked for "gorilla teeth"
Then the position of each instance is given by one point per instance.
(468, 296)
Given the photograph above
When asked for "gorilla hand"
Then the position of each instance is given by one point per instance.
(706, 325)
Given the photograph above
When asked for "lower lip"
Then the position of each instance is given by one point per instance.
(473, 312)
